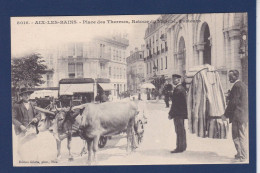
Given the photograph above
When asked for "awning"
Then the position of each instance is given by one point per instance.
(69, 89)
(44, 93)
(106, 86)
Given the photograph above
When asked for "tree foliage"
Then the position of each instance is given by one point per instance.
(27, 71)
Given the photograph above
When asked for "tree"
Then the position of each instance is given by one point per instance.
(27, 71)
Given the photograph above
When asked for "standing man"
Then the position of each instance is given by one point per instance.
(24, 113)
(237, 112)
(178, 113)
(167, 92)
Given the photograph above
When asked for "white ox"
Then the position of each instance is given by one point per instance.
(97, 120)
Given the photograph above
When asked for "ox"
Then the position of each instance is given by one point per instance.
(96, 120)
(107, 119)
(68, 123)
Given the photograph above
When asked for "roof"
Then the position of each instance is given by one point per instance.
(103, 80)
(83, 80)
(76, 80)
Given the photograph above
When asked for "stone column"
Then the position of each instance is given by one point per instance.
(200, 49)
(195, 56)
(234, 35)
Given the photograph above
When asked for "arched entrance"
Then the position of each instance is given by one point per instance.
(181, 57)
(206, 40)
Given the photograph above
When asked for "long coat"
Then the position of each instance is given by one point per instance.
(179, 104)
(22, 116)
(167, 90)
(237, 109)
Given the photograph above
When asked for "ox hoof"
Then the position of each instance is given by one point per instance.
(83, 153)
(58, 157)
(71, 159)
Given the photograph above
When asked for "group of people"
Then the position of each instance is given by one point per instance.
(236, 111)
(25, 115)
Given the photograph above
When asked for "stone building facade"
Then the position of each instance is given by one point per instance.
(218, 39)
(102, 57)
(135, 69)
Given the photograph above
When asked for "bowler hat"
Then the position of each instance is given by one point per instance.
(25, 90)
(176, 76)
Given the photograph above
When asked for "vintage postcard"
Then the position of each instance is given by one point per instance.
(164, 89)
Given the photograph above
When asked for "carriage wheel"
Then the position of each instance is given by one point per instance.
(102, 141)
(139, 131)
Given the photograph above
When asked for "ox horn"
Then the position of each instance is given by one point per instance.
(57, 108)
(44, 110)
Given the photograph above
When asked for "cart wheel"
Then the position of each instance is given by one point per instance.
(139, 131)
(102, 141)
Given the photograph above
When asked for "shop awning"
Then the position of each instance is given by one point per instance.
(106, 86)
(44, 93)
(69, 89)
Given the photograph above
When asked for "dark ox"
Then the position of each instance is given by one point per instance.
(104, 119)
(64, 124)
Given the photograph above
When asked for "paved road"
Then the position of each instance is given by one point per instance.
(159, 140)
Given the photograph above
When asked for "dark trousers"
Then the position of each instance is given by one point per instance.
(240, 138)
(180, 133)
(166, 99)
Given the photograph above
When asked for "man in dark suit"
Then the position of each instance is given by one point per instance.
(167, 93)
(178, 113)
(24, 113)
(237, 112)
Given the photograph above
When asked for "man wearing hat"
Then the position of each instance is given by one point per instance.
(178, 113)
(237, 112)
(24, 112)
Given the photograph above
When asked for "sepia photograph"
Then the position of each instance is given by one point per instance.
(162, 89)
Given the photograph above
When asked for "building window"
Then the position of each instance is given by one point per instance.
(109, 72)
(79, 69)
(166, 61)
(150, 67)
(79, 48)
(114, 54)
(120, 55)
(71, 50)
(124, 74)
(51, 60)
(71, 70)
(49, 80)
(161, 63)
(147, 69)
(114, 73)
(114, 89)
(117, 72)
(120, 73)
(157, 65)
